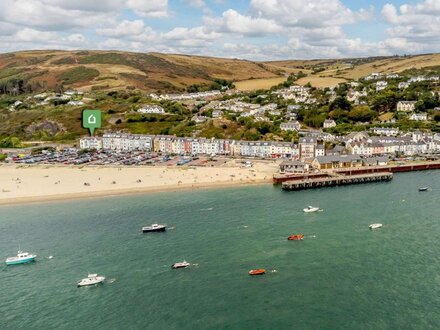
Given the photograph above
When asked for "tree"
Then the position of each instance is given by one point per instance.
(362, 114)
(384, 101)
(340, 103)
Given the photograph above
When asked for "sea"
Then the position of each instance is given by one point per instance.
(341, 276)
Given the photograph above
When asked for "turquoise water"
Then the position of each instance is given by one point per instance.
(342, 276)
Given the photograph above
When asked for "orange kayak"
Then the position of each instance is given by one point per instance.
(298, 237)
(257, 271)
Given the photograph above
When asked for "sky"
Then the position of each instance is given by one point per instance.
(247, 29)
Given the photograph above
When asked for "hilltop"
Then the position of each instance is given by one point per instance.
(113, 70)
(157, 72)
(329, 73)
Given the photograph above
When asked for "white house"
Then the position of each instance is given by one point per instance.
(329, 123)
(381, 85)
(406, 106)
(217, 114)
(90, 142)
(387, 131)
(403, 85)
(421, 116)
(373, 76)
(152, 109)
(75, 103)
(290, 126)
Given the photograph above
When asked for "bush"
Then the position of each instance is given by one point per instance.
(10, 142)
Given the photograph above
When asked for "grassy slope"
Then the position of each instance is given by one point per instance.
(172, 72)
(116, 70)
(344, 70)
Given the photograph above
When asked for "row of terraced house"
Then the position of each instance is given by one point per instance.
(306, 148)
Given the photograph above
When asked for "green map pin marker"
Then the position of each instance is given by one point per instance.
(91, 120)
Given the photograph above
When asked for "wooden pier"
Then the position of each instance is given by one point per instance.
(339, 180)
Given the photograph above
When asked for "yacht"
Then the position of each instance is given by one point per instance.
(21, 258)
(92, 279)
(375, 226)
(310, 209)
(154, 227)
(182, 264)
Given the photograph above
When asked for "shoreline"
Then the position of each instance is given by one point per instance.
(125, 192)
(47, 183)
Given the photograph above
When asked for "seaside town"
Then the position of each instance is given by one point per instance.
(287, 113)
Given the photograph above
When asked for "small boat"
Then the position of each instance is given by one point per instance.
(298, 237)
(254, 272)
(310, 209)
(375, 226)
(21, 258)
(182, 264)
(92, 279)
(153, 228)
(424, 189)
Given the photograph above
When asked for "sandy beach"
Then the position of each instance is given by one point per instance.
(36, 183)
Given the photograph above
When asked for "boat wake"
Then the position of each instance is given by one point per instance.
(50, 257)
(112, 280)
(207, 209)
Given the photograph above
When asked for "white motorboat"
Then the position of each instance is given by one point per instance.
(375, 226)
(92, 279)
(310, 209)
(182, 264)
(154, 228)
(21, 258)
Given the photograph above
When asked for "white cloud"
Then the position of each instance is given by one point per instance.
(195, 37)
(32, 35)
(414, 28)
(28, 38)
(86, 5)
(49, 15)
(149, 8)
(113, 43)
(233, 22)
(308, 13)
(125, 28)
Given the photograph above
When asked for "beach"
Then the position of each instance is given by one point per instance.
(35, 183)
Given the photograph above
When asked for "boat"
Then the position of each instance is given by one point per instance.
(298, 237)
(182, 264)
(21, 258)
(91, 279)
(254, 272)
(424, 189)
(375, 225)
(153, 228)
(310, 209)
